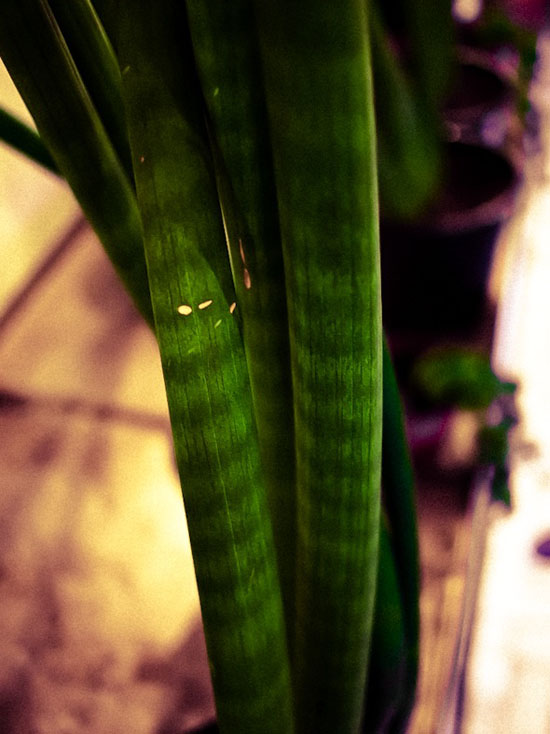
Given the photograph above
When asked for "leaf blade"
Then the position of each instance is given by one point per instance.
(205, 374)
(226, 49)
(318, 87)
(38, 60)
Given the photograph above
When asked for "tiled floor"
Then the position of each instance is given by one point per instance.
(99, 606)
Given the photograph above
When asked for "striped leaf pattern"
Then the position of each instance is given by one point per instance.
(206, 375)
(319, 93)
(245, 226)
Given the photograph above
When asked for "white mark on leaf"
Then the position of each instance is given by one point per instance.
(232, 307)
(246, 278)
(205, 304)
(184, 310)
(142, 159)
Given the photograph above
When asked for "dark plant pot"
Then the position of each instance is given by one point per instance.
(480, 108)
(435, 271)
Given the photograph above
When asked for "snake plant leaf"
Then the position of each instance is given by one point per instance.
(399, 500)
(319, 93)
(98, 68)
(409, 146)
(38, 60)
(429, 29)
(226, 51)
(24, 139)
(205, 372)
(386, 683)
(107, 12)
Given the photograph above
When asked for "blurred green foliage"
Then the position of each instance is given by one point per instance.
(458, 377)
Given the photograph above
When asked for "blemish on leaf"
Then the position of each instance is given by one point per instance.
(205, 304)
(218, 322)
(184, 310)
(216, 92)
(232, 307)
(191, 350)
(125, 70)
(246, 278)
(241, 251)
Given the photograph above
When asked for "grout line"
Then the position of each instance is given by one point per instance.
(12, 400)
(61, 247)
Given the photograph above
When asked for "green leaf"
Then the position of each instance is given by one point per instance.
(39, 62)
(98, 68)
(430, 34)
(460, 377)
(24, 139)
(318, 88)
(387, 677)
(205, 373)
(226, 49)
(399, 501)
(409, 144)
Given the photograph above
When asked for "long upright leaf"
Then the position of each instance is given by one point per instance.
(393, 663)
(97, 65)
(409, 146)
(225, 42)
(205, 373)
(39, 62)
(429, 28)
(398, 493)
(107, 12)
(318, 86)
(386, 685)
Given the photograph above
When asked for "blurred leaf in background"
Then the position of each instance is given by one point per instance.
(458, 377)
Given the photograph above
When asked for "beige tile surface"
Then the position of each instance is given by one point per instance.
(99, 623)
(78, 337)
(96, 578)
(36, 207)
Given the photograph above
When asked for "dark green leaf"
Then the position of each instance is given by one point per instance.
(205, 373)
(318, 88)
